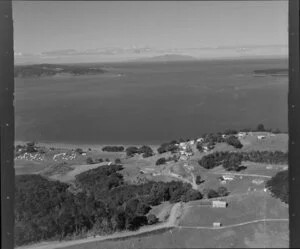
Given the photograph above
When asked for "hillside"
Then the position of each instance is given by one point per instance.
(272, 72)
(43, 70)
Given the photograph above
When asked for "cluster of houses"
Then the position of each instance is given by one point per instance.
(227, 177)
(185, 150)
(64, 156)
(257, 181)
(31, 157)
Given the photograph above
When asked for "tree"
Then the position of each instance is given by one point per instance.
(279, 186)
(89, 160)
(30, 147)
(160, 161)
(198, 179)
(232, 162)
(222, 191)
(212, 194)
(130, 151)
(117, 161)
(260, 127)
(79, 150)
(152, 219)
(234, 141)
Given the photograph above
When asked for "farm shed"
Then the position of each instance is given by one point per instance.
(217, 224)
(219, 204)
(261, 137)
(228, 177)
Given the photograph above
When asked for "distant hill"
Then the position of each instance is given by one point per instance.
(271, 72)
(167, 58)
(42, 70)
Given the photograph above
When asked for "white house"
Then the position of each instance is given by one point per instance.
(261, 137)
(224, 136)
(219, 204)
(217, 224)
(241, 134)
(257, 181)
(228, 177)
(200, 140)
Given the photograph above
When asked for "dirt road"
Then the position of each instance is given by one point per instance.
(172, 222)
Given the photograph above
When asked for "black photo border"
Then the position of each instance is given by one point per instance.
(7, 124)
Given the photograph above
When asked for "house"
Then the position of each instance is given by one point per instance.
(83, 154)
(224, 136)
(223, 182)
(192, 142)
(228, 177)
(257, 181)
(219, 204)
(241, 134)
(217, 224)
(261, 137)
(200, 140)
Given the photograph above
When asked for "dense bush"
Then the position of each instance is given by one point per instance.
(230, 132)
(168, 147)
(89, 160)
(234, 141)
(279, 186)
(30, 147)
(152, 219)
(160, 161)
(212, 194)
(222, 191)
(79, 151)
(198, 179)
(117, 161)
(113, 148)
(145, 150)
(232, 160)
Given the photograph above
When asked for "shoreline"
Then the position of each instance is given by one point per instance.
(84, 146)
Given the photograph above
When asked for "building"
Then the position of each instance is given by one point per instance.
(200, 140)
(224, 136)
(257, 181)
(261, 137)
(241, 134)
(228, 177)
(219, 204)
(217, 224)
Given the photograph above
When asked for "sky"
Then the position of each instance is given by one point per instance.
(47, 31)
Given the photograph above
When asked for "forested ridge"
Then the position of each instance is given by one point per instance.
(99, 202)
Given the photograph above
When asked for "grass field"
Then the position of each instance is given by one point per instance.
(269, 235)
(254, 206)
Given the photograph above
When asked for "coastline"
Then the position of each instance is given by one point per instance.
(84, 146)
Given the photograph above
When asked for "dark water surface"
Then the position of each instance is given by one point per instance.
(151, 103)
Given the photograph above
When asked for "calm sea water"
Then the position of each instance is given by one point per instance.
(151, 103)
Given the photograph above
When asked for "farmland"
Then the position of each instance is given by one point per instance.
(251, 208)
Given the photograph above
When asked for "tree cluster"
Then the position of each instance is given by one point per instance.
(279, 186)
(113, 148)
(232, 160)
(234, 141)
(145, 150)
(168, 147)
(99, 202)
